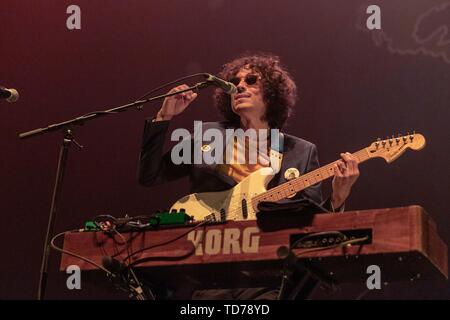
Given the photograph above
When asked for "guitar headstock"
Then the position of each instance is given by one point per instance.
(392, 148)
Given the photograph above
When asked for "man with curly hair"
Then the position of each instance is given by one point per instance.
(265, 100)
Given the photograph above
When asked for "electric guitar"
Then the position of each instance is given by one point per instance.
(241, 201)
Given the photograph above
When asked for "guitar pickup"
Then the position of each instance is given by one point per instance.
(244, 209)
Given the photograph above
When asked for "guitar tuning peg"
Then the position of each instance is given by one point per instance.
(391, 140)
(377, 143)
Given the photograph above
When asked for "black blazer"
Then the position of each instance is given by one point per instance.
(156, 167)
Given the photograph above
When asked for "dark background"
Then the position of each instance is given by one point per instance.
(354, 85)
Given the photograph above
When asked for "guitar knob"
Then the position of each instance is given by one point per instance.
(173, 211)
(182, 210)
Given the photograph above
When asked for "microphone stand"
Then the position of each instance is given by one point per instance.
(68, 138)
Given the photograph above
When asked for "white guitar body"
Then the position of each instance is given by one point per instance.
(233, 204)
(239, 202)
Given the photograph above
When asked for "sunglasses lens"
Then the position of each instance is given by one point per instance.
(235, 81)
(251, 79)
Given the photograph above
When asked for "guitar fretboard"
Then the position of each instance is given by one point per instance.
(298, 184)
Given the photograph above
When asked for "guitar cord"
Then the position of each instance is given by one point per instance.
(136, 291)
(166, 242)
(111, 227)
(70, 253)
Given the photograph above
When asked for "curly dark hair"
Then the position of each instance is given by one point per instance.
(279, 90)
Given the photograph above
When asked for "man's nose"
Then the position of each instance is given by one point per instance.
(241, 86)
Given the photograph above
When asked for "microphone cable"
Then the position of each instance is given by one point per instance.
(149, 93)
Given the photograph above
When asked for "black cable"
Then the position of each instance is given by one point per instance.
(172, 82)
(52, 244)
(133, 223)
(127, 247)
(150, 92)
(138, 290)
(342, 244)
(168, 241)
(139, 294)
(165, 258)
(112, 227)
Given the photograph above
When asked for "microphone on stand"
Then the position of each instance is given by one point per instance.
(10, 95)
(226, 86)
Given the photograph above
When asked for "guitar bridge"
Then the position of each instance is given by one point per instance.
(223, 215)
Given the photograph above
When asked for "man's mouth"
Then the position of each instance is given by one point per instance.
(241, 95)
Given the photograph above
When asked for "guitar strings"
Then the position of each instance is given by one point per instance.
(296, 185)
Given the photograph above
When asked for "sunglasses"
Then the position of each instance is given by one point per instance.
(249, 79)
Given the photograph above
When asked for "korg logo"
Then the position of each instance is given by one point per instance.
(226, 241)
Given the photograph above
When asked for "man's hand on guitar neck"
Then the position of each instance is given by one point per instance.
(346, 173)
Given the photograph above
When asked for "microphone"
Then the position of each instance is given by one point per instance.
(11, 95)
(226, 86)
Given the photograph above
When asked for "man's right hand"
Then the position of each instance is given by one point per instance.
(175, 104)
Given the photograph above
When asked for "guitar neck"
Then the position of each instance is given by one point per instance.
(298, 184)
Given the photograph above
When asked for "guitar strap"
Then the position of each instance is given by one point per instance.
(276, 150)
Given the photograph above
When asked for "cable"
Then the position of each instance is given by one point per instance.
(172, 82)
(52, 244)
(148, 93)
(168, 241)
(127, 247)
(109, 224)
(165, 258)
(342, 244)
(138, 292)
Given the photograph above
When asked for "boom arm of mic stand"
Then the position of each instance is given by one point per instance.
(62, 160)
(90, 116)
